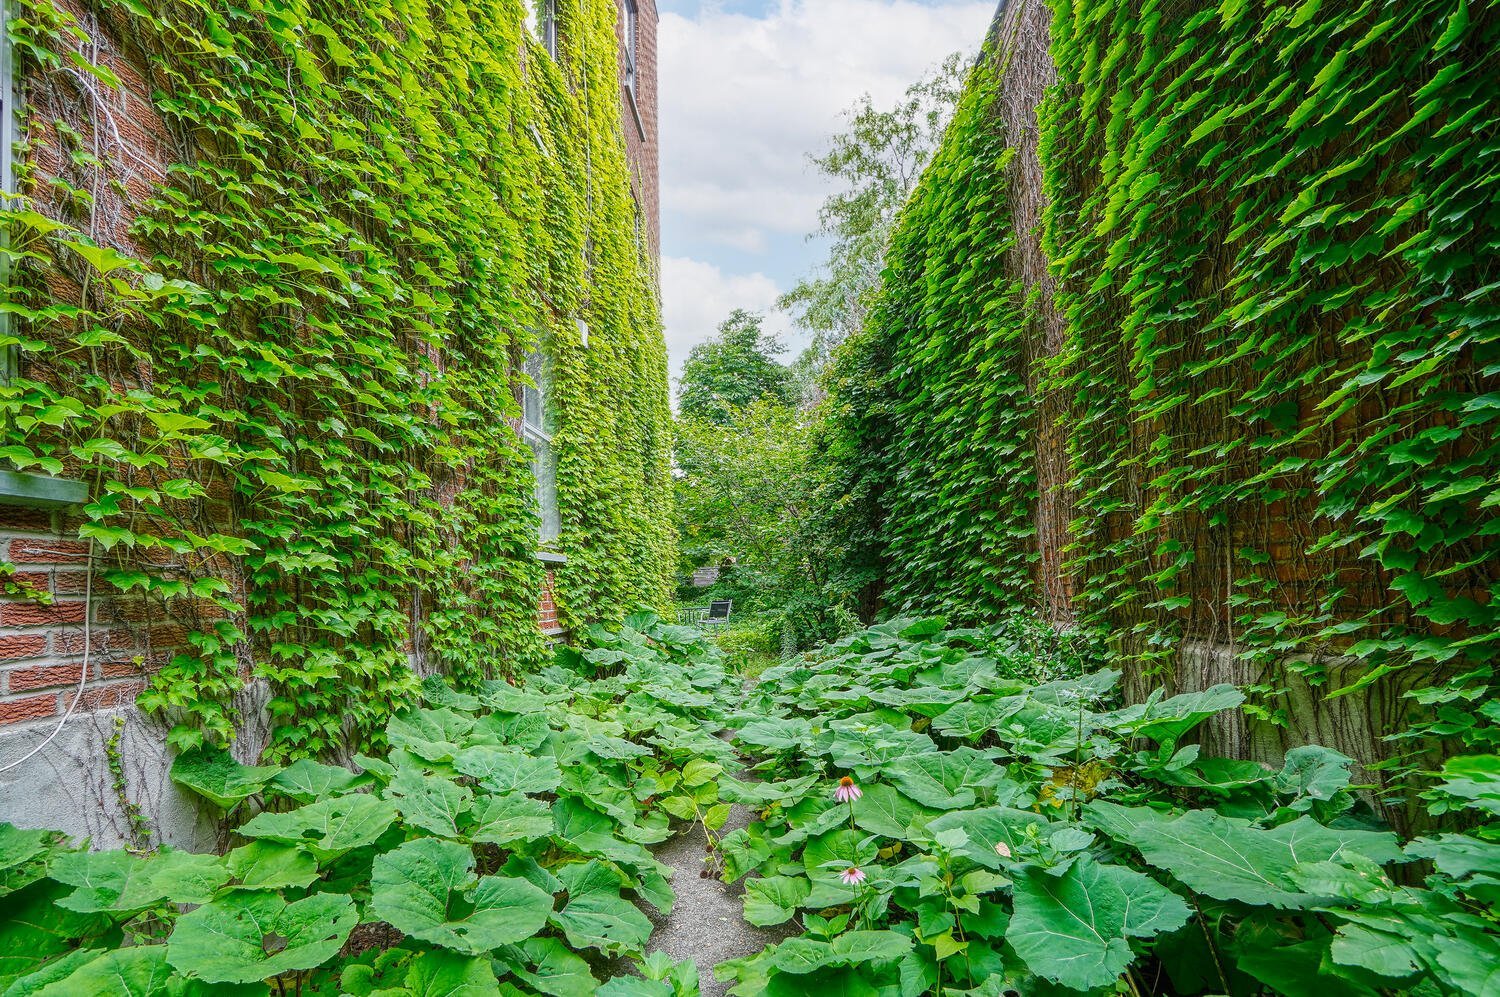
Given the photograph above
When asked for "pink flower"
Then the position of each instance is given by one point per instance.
(853, 875)
(1002, 849)
(847, 792)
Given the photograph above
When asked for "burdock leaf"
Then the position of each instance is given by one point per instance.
(429, 802)
(216, 777)
(271, 865)
(502, 820)
(1232, 859)
(119, 881)
(1073, 929)
(245, 937)
(426, 888)
(506, 770)
(327, 828)
(596, 916)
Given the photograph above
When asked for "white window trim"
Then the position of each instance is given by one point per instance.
(536, 434)
(632, 42)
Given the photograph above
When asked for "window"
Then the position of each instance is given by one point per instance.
(536, 430)
(543, 24)
(632, 16)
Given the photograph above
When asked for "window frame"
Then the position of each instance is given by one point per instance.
(536, 432)
(543, 25)
(631, 42)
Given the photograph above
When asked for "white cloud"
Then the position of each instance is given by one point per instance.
(744, 100)
(698, 296)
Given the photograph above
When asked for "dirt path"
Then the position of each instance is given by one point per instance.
(706, 925)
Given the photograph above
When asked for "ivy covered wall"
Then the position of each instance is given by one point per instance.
(276, 267)
(1269, 230)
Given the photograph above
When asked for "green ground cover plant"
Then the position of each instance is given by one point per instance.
(500, 847)
(976, 812)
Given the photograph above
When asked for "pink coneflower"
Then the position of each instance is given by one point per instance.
(847, 792)
(1002, 849)
(853, 875)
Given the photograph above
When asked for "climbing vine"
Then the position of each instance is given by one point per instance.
(1272, 230)
(279, 313)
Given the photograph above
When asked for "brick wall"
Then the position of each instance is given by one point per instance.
(640, 118)
(42, 646)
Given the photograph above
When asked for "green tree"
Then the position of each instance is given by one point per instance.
(876, 163)
(735, 368)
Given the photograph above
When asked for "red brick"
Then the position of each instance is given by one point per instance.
(104, 697)
(76, 583)
(119, 669)
(25, 520)
(36, 581)
(48, 551)
(14, 711)
(42, 677)
(14, 646)
(29, 614)
(71, 641)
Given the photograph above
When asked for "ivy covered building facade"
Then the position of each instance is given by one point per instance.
(332, 361)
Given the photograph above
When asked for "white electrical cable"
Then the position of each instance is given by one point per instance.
(83, 671)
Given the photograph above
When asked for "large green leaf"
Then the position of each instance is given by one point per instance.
(550, 967)
(36, 927)
(1232, 859)
(433, 735)
(23, 856)
(512, 817)
(506, 770)
(596, 915)
(426, 888)
(947, 780)
(884, 811)
(137, 971)
(244, 937)
(218, 778)
(1073, 929)
(271, 865)
(1166, 720)
(119, 881)
(429, 802)
(805, 955)
(327, 828)
(449, 974)
(988, 827)
(849, 848)
(306, 780)
(775, 899)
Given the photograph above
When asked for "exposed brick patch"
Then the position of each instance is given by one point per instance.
(105, 697)
(16, 711)
(48, 551)
(119, 669)
(19, 520)
(14, 646)
(41, 677)
(29, 614)
(75, 583)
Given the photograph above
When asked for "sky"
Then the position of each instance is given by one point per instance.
(748, 89)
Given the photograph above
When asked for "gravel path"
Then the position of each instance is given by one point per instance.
(706, 924)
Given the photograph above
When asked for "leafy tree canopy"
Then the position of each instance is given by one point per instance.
(734, 368)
